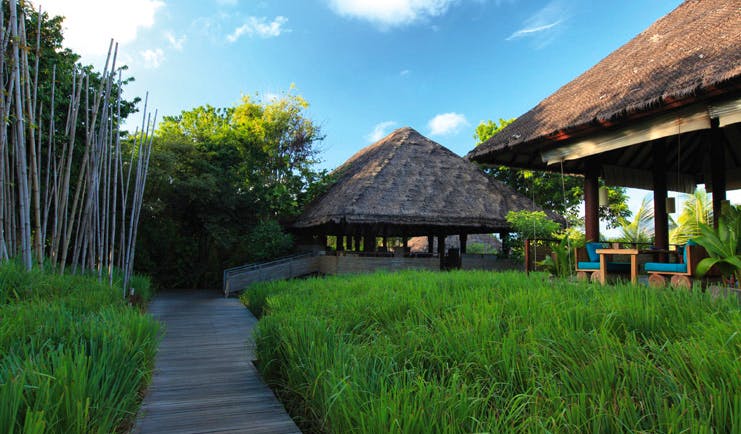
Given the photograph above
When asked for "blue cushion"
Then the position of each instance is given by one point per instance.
(661, 267)
(612, 267)
(588, 265)
(592, 250)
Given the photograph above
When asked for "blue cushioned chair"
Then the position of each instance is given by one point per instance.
(680, 272)
(588, 262)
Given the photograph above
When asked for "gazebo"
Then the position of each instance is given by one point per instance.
(662, 112)
(407, 185)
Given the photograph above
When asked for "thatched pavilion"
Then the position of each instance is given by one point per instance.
(662, 112)
(406, 185)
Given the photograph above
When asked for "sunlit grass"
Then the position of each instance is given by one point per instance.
(73, 355)
(498, 352)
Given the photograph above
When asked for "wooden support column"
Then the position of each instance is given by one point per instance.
(717, 160)
(385, 242)
(591, 202)
(430, 244)
(405, 242)
(441, 250)
(661, 218)
(369, 240)
(463, 240)
(348, 242)
(339, 241)
(355, 243)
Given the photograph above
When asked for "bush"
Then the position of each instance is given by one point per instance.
(73, 355)
(268, 241)
(498, 352)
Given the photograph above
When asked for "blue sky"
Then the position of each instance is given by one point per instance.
(365, 66)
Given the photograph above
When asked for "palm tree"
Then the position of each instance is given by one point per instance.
(640, 230)
(697, 210)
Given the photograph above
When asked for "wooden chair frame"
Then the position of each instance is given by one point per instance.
(679, 279)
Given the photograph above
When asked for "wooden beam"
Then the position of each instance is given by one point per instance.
(463, 241)
(591, 202)
(430, 243)
(690, 119)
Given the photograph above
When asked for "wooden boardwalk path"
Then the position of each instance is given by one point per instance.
(204, 380)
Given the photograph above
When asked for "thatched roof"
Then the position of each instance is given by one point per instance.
(408, 184)
(692, 54)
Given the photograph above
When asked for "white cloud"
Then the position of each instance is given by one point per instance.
(261, 27)
(153, 58)
(544, 25)
(447, 123)
(87, 31)
(404, 72)
(175, 42)
(380, 131)
(391, 13)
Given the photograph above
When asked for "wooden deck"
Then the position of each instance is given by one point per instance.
(204, 379)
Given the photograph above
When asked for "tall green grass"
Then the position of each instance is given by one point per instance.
(420, 352)
(73, 355)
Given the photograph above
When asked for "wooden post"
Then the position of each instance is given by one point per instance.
(339, 244)
(369, 241)
(385, 242)
(718, 170)
(441, 250)
(661, 218)
(430, 243)
(591, 202)
(527, 256)
(405, 242)
(463, 241)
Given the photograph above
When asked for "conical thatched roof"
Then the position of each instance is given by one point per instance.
(692, 54)
(409, 184)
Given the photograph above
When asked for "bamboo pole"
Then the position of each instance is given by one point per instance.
(20, 157)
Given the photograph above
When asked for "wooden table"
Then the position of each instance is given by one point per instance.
(603, 262)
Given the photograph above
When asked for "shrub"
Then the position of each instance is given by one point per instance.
(267, 241)
(73, 355)
(498, 352)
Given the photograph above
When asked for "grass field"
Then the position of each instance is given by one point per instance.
(420, 352)
(73, 355)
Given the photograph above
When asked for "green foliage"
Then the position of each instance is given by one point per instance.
(552, 191)
(480, 249)
(73, 355)
(698, 209)
(640, 230)
(561, 262)
(214, 174)
(267, 240)
(419, 352)
(532, 224)
(723, 245)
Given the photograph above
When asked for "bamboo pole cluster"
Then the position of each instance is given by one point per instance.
(74, 207)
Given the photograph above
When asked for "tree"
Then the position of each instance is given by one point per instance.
(549, 190)
(640, 230)
(697, 210)
(221, 179)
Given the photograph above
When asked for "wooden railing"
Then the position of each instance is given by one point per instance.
(237, 279)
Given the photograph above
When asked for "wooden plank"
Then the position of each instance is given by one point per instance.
(204, 380)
